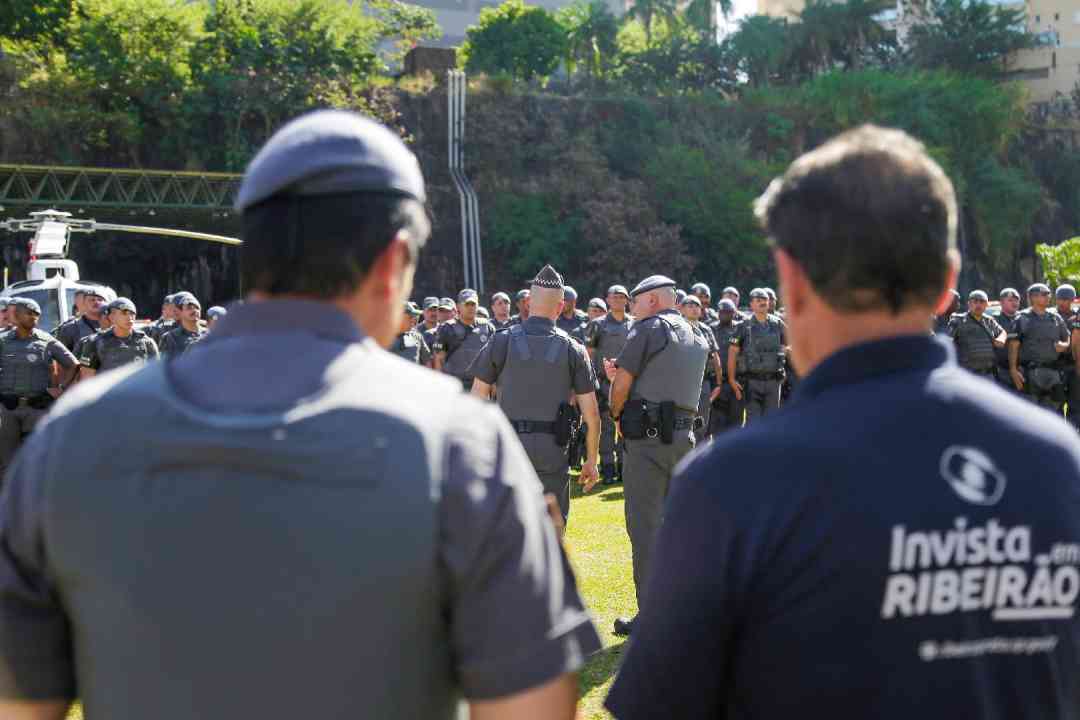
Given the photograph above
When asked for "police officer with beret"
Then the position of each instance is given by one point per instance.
(119, 345)
(70, 333)
(727, 409)
(187, 331)
(459, 341)
(732, 293)
(78, 305)
(655, 389)
(882, 548)
(538, 368)
(1010, 309)
(704, 294)
(409, 343)
(570, 319)
(762, 340)
(692, 309)
(1038, 340)
(311, 505)
(605, 339)
(500, 310)
(447, 311)
(213, 314)
(976, 335)
(26, 377)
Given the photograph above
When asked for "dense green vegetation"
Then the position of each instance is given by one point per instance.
(610, 147)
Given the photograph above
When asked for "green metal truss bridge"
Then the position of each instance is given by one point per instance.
(80, 187)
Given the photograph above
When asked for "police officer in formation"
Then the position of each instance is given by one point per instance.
(704, 295)
(187, 330)
(538, 369)
(605, 339)
(213, 315)
(655, 390)
(570, 319)
(27, 382)
(459, 341)
(596, 310)
(447, 311)
(977, 335)
(165, 323)
(941, 322)
(691, 308)
(762, 340)
(119, 345)
(1009, 298)
(727, 410)
(70, 332)
(409, 343)
(500, 310)
(521, 304)
(1038, 340)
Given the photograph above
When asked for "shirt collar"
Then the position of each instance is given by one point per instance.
(273, 317)
(541, 323)
(907, 353)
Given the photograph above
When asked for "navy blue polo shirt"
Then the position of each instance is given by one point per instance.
(902, 540)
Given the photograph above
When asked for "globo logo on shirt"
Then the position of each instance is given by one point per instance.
(972, 475)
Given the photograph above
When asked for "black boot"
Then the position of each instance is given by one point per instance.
(608, 474)
(624, 626)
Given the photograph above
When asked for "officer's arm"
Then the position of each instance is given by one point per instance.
(590, 413)
(718, 367)
(1014, 354)
(556, 699)
(1063, 344)
(481, 389)
(1076, 347)
(36, 710)
(620, 391)
(732, 362)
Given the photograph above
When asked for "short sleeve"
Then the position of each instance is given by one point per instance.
(739, 336)
(641, 344)
(151, 348)
(62, 355)
(516, 618)
(581, 370)
(1063, 331)
(783, 332)
(36, 656)
(591, 334)
(995, 327)
(488, 365)
(89, 357)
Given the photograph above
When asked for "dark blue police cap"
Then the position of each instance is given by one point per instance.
(598, 303)
(731, 290)
(329, 152)
(122, 304)
(653, 282)
(619, 290)
(181, 299)
(1066, 292)
(726, 306)
(1009, 292)
(759, 293)
(978, 295)
(216, 311)
(1039, 288)
(701, 289)
(569, 293)
(26, 304)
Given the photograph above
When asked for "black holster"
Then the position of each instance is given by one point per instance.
(564, 424)
(634, 421)
(577, 438)
(666, 422)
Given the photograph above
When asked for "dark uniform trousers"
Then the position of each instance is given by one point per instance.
(549, 461)
(727, 411)
(649, 466)
(14, 424)
(612, 445)
(761, 396)
(1072, 389)
(704, 411)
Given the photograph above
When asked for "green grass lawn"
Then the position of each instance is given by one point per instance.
(600, 553)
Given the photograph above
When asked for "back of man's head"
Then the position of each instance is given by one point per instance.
(871, 220)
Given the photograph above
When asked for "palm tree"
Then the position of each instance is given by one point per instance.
(591, 30)
(702, 15)
(647, 10)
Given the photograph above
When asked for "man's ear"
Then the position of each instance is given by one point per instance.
(945, 300)
(389, 271)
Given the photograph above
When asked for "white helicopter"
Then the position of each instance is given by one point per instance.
(53, 278)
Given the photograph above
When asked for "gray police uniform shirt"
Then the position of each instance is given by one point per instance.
(571, 325)
(1008, 324)
(24, 363)
(760, 343)
(674, 355)
(723, 335)
(158, 328)
(462, 343)
(411, 346)
(70, 333)
(975, 341)
(1037, 335)
(607, 336)
(707, 335)
(177, 341)
(325, 547)
(108, 351)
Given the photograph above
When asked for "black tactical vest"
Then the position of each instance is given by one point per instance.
(676, 372)
(974, 344)
(611, 340)
(467, 344)
(723, 335)
(763, 346)
(24, 364)
(407, 345)
(114, 352)
(535, 378)
(1008, 324)
(1040, 334)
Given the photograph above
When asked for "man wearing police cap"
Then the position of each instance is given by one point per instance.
(409, 343)
(976, 335)
(656, 384)
(704, 294)
(762, 340)
(941, 322)
(500, 310)
(570, 319)
(70, 333)
(26, 377)
(692, 309)
(447, 311)
(1010, 310)
(538, 368)
(166, 322)
(521, 302)
(727, 410)
(1035, 346)
(316, 486)
(605, 339)
(188, 330)
(1065, 296)
(119, 345)
(459, 341)
(597, 309)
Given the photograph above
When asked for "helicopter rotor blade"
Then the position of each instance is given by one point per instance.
(224, 239)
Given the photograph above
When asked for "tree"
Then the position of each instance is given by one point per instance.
(760, 48)
(1061, 263)
(520, 40)
(591, 33)
(403, 24)
(648, 10)
(969, 36)
(34, 19)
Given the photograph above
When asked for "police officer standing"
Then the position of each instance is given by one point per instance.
(1065, 295)
(521, 302)
(762, 339)
(570, 319)
(704, 294)
(70, 333)
(500, 310)
(26, 356)
(165, 323)
(1010, 308)
(214, 314)
(691, 309)
(605, 339)
(597, 309)
(727, 410)
(538, 368)
(976, 336)
(460, 341)
(655, 389)
(941, 322)
(188, 331)
(409, 343)
(119, 345)
(447, 311)
(1039, 339)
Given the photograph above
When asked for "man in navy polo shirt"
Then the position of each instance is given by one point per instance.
(870, 550)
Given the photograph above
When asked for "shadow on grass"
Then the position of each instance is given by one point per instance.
(612, 496)
(600, 668)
